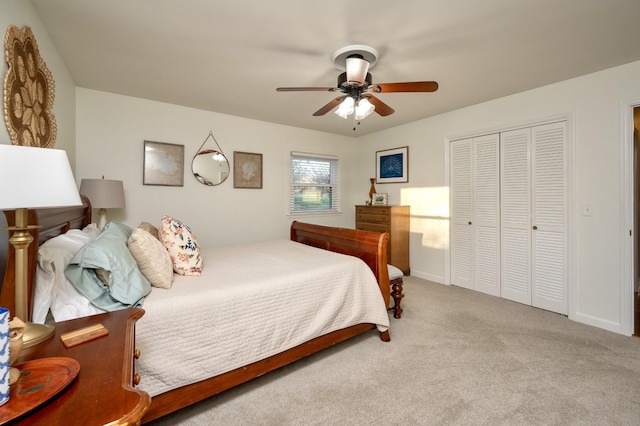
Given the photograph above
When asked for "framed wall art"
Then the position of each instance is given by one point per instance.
(247, 170)
(392, 165)
(379, 199)
(163, 164)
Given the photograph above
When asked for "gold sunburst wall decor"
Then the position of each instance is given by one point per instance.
(29, 90)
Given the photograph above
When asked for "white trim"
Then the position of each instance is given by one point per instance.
(447, 184)
(626, 216)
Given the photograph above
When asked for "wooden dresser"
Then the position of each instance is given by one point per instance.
(395, 221)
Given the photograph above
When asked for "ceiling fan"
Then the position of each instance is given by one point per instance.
(357, 87)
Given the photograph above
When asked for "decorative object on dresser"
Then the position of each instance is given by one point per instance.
(30, 170)
(210, 166)
(392, 165)
(372, 190)
(29, 91)
(163, 164)
(393, 220)
(103, 194)
(379, 199)
(247, 170)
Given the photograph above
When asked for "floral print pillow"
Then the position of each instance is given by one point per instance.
(182, 246)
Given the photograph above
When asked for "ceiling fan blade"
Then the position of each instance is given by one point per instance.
(328, 107)
(306, 89)
(381, 108)
(414, 86)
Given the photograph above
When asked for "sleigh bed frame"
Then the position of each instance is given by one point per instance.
(371, 247)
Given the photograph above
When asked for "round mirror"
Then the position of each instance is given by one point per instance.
(210, 167)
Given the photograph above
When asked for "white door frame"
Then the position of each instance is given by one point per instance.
(626, 221)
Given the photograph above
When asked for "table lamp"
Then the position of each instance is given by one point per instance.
(32, 178)
(103, 194)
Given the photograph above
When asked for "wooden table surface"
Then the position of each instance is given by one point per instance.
(102, 393)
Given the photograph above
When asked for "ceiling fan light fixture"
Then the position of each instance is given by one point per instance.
(357, 69)
(346, 107)
(364, 108)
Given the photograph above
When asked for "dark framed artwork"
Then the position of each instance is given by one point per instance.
(247, 170)
(392, 165)
(163, 164)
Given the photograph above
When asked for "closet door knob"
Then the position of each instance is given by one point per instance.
(535, 227)
(469, 222)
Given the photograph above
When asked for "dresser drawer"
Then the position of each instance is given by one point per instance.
(373, 215)
(375, 227)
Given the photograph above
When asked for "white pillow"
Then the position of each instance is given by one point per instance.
(92, 230)
(52, 290)
(152, 258)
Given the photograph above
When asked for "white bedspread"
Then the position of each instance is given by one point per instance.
(251, 301)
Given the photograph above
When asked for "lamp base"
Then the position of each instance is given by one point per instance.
(36, 333)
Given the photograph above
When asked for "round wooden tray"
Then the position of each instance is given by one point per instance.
(40, 379)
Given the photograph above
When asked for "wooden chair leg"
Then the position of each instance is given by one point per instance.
(397, 295)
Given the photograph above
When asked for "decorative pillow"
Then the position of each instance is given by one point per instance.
(127, 285)
(52, 289)
(152, 258)
(182, 246)
(150, 229)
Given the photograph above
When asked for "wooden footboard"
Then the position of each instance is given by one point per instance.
(369, 246)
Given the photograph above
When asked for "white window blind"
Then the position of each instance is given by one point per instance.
(314, 184)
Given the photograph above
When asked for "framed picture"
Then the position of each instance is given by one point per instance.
(247, 170)
(392, 165)
(379, 199)
(163, 164)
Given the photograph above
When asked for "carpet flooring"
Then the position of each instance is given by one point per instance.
(457, 357)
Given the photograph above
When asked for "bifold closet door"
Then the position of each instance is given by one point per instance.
(533, 225)
(549, 219)
(461, 202)
(475, 214)
(515, 196)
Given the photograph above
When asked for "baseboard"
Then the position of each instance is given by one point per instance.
(429, 277)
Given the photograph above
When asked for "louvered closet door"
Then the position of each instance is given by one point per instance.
(515, 198)
(549, 289)
(461, 197)
(486, 212)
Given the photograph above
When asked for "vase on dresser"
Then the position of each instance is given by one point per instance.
(372, 190)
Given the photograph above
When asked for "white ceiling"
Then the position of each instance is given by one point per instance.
(229, 56)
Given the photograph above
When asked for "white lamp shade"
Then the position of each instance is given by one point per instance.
(364, 108)
(103, 193)
(357, 69)
(346, 107)
(36, 178)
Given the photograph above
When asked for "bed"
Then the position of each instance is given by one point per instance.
(370, 247)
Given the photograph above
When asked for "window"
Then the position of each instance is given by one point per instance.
(314, 184)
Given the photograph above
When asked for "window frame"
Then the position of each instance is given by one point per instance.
(334, 184)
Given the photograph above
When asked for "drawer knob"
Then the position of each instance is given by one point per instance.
(136, 379)
(136, 354)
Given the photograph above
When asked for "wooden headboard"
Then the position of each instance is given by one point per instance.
(50, 223)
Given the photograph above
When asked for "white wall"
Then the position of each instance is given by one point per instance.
(593, 102)
(111, 130)
(20, 13)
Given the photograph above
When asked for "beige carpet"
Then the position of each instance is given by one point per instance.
(456, 357)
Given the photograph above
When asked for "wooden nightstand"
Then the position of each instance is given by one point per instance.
(103, 392)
